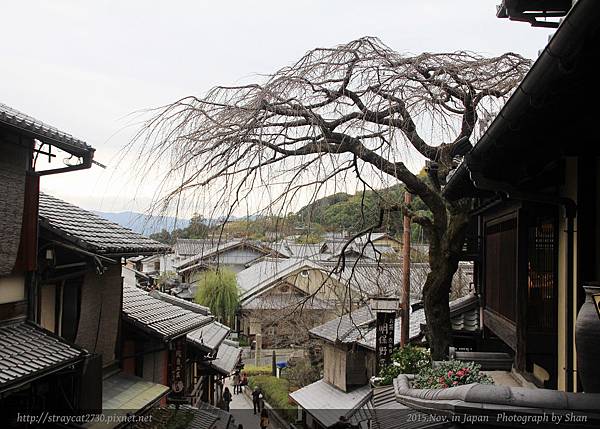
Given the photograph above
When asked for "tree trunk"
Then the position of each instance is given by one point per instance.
(444, 255)
(436, 293)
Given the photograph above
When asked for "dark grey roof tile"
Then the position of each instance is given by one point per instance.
(24, 123)
(92, 232)
(29, 351)
(359, 325)
(158, 317)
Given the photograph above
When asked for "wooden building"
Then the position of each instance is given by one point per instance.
(234, 255)
(535, 173)
(39, 370)
(350, 361)
(273, 291)
(176, 343)
(78, 294)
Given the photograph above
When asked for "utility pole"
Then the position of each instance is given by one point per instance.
(405, 296)
(257, 349)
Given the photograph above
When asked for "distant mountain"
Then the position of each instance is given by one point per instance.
(142, 223)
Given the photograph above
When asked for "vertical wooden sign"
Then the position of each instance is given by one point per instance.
(384, 338)
(178, 367)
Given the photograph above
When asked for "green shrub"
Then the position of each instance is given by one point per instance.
(252, 370)
(275, 391)
(301, 374)
(405, 360)
(450, 373)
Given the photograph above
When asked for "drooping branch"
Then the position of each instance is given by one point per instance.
(359, 114)
(361, 99)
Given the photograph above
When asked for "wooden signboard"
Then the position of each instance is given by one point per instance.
(384, 338)
(178, 367)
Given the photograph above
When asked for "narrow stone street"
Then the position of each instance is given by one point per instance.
(242, 410)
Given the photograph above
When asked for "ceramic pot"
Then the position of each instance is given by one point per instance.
(587, 341)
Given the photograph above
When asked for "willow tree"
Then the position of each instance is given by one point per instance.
(359, 111)
(217, 290)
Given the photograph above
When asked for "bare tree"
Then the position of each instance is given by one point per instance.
(360, 111)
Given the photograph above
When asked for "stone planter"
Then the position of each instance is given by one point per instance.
(587, 341)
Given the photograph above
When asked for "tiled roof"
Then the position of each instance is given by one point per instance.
(158, 317)
(208, 417)
(359, 325)
(326, 403)
(297, 250)
(227, 358)
(417, 318)
(43, 132)
(28, 351)
(286, 301)
(464, 313)
(222, 247)
(341, 328)
(192, 306)
(193, 246)
(372, 278)
(353, 252)
(203, 419)
(261, 276)
(208, 337)
(90, 231)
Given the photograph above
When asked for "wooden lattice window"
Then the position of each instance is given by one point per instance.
(501, 240)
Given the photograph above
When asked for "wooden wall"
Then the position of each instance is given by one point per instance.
(334, 371)
(100, 310)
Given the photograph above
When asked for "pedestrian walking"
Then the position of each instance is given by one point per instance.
(257, 399)
(226, 398)
(264, 419)
(237, 388)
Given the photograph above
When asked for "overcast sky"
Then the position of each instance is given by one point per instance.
(85, 67)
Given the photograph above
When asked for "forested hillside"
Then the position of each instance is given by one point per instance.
(339, 212)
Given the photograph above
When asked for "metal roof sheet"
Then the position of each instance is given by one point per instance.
(92, 232)
(260, 276)
(208, 337)
(127, 392)
(228, 356)
(326, 403)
